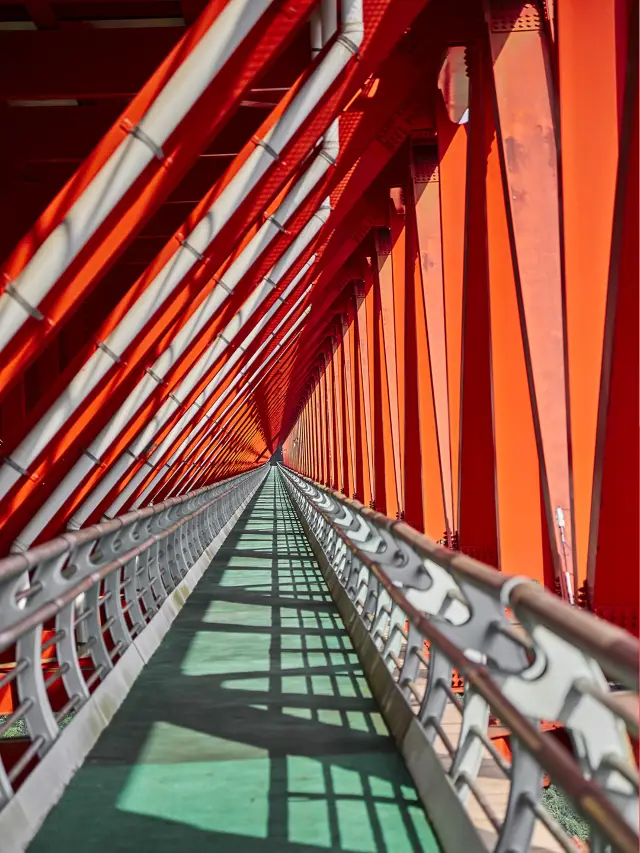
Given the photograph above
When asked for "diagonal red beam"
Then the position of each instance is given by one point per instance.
(195, 450)
(96, 424)
(240, 72)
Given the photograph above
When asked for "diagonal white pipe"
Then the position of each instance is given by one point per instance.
(93, 455)
(189, 468)
(159, 290)
(215, 383)
(126, 164)
(173, 402)
(198, 450)
(73, 396)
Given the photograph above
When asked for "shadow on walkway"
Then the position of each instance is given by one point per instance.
(252, 729)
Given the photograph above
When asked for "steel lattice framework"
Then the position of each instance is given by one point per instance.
(398, 237)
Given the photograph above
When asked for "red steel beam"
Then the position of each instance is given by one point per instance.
(275, 27)
(63, 64)
(92, 415)
(477, 529)
(528, 154)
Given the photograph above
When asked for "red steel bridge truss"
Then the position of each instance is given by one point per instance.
(395, 241)
(398, 237)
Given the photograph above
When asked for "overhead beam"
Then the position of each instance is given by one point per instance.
(69, 133)
(41, 14)
(191, 9)
(91, 64)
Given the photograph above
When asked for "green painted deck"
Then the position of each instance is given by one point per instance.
(252, 729)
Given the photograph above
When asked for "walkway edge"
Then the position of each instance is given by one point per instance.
(449, 820)
(25, 813)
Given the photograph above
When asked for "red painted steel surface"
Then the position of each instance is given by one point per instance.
(463, 351)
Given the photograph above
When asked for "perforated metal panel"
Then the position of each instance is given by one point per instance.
(424, 165)
(508, 16)
(383, 241)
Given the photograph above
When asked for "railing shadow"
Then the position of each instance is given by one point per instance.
(252, 727)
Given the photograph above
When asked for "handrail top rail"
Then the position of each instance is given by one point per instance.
(48, 609)
(17, 563)
(583, 789)
(615, 649)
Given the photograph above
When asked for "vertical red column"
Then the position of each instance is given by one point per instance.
(304, 441)
(364, 391)
(338, 391)
(334, 444)
(433, 402)
(524, 104)
(614, 539)
(323, 414)
(413, 486)
(522, 534)
(452, 113)
(397, 215)
(318, 449)
(373, 334)
(477, 530)
(387, 370)
(352, 400)
(310, 437)
(597, 76)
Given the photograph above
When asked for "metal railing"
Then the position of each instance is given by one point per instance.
(70, 608)
(525, 657)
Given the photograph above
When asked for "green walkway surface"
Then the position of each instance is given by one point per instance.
(252, 729)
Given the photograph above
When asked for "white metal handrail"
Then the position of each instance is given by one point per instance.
(525, 656)
(72, 607)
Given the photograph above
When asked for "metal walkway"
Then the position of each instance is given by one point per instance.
(252, 728)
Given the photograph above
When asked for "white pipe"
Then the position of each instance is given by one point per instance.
(87, 378)
(208, 359)
(316, 33)
(167, 442)
(329, 16)
(324, 23)
(141, 444)
(67, 486)
(128, 161)
(159, 290)
(190, 473)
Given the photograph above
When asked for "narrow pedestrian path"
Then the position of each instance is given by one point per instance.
(252, 729)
